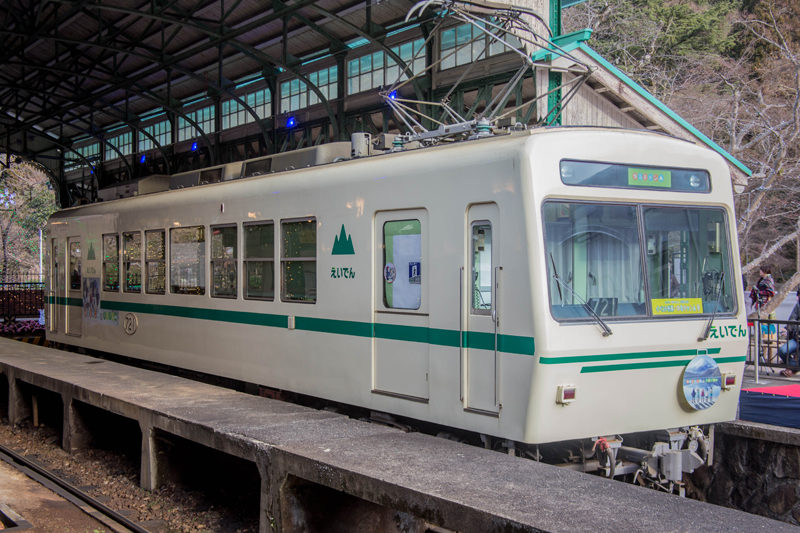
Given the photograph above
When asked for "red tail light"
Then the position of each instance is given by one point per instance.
(728, 381)
(566, 394)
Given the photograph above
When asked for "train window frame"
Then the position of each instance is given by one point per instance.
(645, 315)
(286, 260)
(213, 261)
(75, 265)
(389, 269)
(713, 247)
(107, 262)
(126, 264)
(197, 290)
(148, 261)
(475, 291)
(255, 260)
(649, 315)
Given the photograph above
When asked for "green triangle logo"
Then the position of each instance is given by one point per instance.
(343, 245)
(90, 255)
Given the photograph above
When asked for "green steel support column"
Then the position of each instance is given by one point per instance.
(341, 86)
(555, 17)
(554, 81)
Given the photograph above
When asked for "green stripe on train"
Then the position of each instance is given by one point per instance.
(60, 300)
(654, 364)
(439, 337)
(218, 315)
(622, 356)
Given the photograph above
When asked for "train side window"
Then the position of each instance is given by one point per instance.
(111, 263)
(402, 264)
(132, 261)
(259, 261)
(299, 260)
(75, 266)
(481, 267)
(155, 261)
(187, 260)
(223, 261)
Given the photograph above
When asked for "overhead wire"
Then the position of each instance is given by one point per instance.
(497, 21)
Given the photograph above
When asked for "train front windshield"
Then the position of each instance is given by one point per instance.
(629, 261)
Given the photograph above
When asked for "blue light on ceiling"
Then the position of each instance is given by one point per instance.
(194, 146)
(291, 122)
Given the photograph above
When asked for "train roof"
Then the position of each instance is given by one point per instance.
(506, 138)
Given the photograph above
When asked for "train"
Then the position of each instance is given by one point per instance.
(535, 287)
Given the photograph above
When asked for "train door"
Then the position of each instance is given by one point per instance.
(400, 346)
(480, 370)
(74, 295)
(56, 311)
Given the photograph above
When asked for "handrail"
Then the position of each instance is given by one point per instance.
(496, 320)
(461, 334)
(757, 343)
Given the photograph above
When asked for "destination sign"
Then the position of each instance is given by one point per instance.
(619, 176)
(648, 177)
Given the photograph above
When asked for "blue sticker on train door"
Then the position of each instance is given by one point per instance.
(389, 273)
(414, 273)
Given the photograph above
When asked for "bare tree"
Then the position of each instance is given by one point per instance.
(763, 128)
(26, 201)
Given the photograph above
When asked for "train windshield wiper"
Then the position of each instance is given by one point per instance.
(600, 322)
(707, 329)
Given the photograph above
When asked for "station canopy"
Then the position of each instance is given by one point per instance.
(103, 93)
(74, 70)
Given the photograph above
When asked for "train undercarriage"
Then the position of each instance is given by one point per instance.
(656, 460)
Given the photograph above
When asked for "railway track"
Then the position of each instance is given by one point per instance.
(86, 503)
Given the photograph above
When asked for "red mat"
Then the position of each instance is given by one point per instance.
(792, 391)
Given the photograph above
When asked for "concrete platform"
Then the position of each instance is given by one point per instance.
(445, 483)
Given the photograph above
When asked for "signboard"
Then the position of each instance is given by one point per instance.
(677, 306)
(649, 177)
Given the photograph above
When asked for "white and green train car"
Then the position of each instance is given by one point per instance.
(535, 287)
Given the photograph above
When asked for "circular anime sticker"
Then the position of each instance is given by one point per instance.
(389, 273)
(702, 382)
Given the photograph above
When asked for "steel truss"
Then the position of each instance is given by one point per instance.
(76, 68)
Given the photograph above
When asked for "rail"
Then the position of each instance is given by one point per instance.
(113, 519)
(766, 336)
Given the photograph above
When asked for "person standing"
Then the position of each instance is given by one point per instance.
(764, 289)
(792, 343)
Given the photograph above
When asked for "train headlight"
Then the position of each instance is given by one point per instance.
(694, 181)
(566, 394)
(566, 171)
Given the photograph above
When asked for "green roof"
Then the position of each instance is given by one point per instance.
(577, 41)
